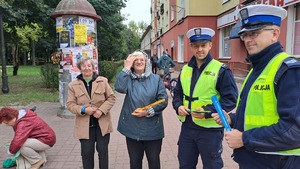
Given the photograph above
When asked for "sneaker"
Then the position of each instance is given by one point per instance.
(38, 164)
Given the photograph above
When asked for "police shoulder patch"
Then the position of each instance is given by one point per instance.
(291, 62)
(224, 66)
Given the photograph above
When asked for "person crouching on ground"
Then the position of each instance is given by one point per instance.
(33, 136)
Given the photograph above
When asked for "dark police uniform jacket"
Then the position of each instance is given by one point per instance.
(281, 136)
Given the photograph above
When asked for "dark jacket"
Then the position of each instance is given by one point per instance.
(154, 59)
(280, 136)
(165, 62)
(226, 86)
(31, 126)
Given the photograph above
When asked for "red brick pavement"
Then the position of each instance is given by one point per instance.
(66, 152)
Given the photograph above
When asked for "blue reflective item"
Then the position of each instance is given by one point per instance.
(218, 107)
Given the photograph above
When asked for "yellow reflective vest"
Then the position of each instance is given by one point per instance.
(261, 106)
(204, 89)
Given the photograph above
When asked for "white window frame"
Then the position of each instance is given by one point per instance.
(180, 56)
(225, 43)
(172, 13)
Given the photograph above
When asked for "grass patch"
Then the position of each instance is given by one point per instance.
(26, 88)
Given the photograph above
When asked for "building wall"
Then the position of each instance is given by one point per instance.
(196, 7)
(221, 16)
(146, 43)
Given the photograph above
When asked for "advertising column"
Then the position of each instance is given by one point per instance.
(76, 39)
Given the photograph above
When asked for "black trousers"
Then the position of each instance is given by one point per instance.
(154, 68)
(136, 151)
(88, 149)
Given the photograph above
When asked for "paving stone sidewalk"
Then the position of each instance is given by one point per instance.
(66, 152)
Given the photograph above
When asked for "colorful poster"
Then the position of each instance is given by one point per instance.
(64, 39)
(91, 38)
(76, 39)
(80, 33)
(89, 22)
(59, 22)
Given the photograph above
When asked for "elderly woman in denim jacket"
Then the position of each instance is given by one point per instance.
(143, 128)
(90, 97)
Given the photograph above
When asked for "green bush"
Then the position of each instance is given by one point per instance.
(49, 74)
(107, 69)
(118, 70)
(119, 63)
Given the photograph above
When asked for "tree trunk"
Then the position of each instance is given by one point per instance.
(14, 53)
(25, 58)
(33, 52)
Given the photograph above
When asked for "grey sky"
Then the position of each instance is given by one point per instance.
(137, 10)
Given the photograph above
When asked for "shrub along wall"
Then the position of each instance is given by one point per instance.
(49, 72)
(108, 69)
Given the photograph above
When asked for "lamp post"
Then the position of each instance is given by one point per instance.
(5, 88)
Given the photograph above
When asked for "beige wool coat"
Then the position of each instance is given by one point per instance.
(102, 97)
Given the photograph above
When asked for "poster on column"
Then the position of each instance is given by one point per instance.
(67, 59)
(68, 22)
(76, 39)
(80, 34)
(91, 30)
(64, 39)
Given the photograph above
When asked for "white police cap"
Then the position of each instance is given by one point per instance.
(254, 17)
(200, 34)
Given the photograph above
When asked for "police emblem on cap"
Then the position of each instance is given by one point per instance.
(197, 31)
(244, 14)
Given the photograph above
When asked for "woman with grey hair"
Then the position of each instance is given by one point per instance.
(90, 97)
(142, 127)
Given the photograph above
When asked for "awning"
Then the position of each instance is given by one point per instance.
(235, 30)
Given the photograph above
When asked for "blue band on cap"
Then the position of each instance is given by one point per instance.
(257, 19)
(195, 38)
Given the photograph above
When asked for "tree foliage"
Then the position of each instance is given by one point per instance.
(29, 29)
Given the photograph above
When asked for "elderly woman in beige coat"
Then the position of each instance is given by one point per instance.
(90, 97)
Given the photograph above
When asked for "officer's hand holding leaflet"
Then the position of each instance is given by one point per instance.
(182, 111)
(198, 113)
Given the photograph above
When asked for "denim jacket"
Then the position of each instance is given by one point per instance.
(141, 91)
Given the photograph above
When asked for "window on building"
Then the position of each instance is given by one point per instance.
(298, 13)
(296, 49)
(162, 25)
(225, 42)
(180, 57)
(181, 9)
(167, 18)
(172, 13)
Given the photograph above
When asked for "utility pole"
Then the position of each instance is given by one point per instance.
(5, 88)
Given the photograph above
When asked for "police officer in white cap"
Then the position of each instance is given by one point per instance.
(198, 81)
(266, 124)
